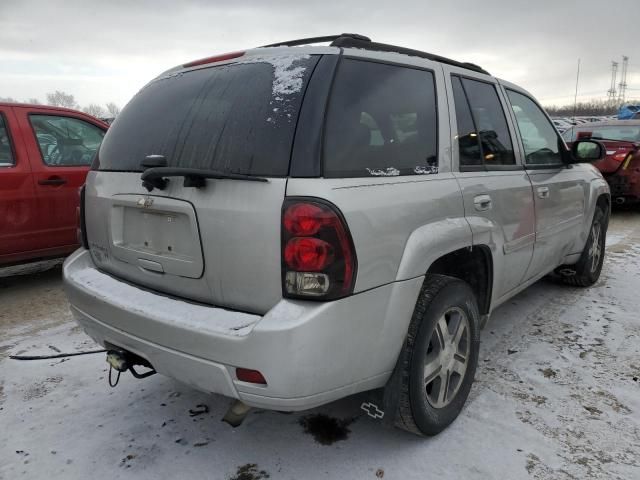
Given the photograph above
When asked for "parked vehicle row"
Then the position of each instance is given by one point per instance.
(289, 226)
(45, 153)
(621, 166)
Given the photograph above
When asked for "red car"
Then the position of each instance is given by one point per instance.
(621, 166)
(45, 154)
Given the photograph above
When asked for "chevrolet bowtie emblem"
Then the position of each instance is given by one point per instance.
(145, 202)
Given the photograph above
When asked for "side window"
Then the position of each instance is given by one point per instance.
(479, 103)
(539, 138)
(6, 153)
(568, 135)
(381, 121)
(66, 141)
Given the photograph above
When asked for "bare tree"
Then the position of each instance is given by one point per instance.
(34, 101)
(8, 99)
(95, 110)
(113, 109)
(61, 99)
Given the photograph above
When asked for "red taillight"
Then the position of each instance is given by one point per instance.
(620, 156)
(307, 254)
(217, 58)
(318, 258)
(250, 376)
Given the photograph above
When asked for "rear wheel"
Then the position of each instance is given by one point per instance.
(587, 271)
(438, 361)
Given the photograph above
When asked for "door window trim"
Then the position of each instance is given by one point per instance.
(11, 142)
(512, 132)
(527, 166)
(54, 113)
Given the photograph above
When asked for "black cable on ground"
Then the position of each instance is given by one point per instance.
(48, 357)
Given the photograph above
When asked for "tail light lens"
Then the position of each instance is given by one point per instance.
(81, 229)
(318, 257)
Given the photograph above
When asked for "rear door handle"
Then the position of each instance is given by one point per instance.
(55, 180)
(543, 192)
(482, 203)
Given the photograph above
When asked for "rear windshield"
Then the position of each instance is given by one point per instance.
(381, 121)
(629, 133)
(235, 118)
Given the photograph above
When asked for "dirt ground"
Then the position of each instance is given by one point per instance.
(557, 396)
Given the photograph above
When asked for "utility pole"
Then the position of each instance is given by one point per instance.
(611, 93)
(622, 86)
(575, 98)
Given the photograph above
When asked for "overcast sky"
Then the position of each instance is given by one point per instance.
(106, 50)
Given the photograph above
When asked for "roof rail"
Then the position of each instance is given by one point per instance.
(354, 40)
(310, 40)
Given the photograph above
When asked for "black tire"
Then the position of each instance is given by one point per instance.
(415, 410)
(587, 270)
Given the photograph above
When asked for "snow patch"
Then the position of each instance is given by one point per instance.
(422, 170)
(383, 172)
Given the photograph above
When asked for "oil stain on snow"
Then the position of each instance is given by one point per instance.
(326, 430)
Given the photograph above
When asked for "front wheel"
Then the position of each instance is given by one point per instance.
(438, 361)
(587, 271)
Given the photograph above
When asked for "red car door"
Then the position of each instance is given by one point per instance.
(61, 146)
(18, 205)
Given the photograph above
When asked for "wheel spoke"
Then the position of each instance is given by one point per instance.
(442, 330)
(460, 328)
(459, 365)
(444, 386)
(432, 370)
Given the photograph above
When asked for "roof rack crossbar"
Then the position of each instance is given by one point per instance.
(310, 40)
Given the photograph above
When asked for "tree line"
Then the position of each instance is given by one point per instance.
(63, 99)
(588, 108)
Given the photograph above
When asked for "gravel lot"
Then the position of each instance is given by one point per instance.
(557, 396)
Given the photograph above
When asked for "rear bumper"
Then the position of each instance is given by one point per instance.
(310, 353)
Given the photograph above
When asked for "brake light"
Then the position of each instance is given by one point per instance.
(217, 58)
(81, 226)
(620, 156)
(318, 257)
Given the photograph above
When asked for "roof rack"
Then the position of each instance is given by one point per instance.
(354, 40)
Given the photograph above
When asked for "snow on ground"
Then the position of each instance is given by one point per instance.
(557, 396)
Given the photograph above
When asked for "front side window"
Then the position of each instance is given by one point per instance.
(539, 138)
(66, 141)
(6, 154)
(381, 121)
(483, 134)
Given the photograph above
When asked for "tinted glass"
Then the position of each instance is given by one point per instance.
(468, 141)
(490, 122)
(381, 121)
(235, 118)
(6, 154)
(66, 141)
(539, 137)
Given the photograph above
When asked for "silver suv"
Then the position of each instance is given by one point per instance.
(293, 224)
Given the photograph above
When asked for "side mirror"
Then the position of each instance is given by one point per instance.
(587, 151)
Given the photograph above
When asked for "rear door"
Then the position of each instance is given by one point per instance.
(560, 191)
(18, 222)
(61, 147)
(217, 242)
(496, 190)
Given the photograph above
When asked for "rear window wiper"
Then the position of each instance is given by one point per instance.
(193, 177)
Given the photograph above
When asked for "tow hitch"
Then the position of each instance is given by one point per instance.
(121, 361)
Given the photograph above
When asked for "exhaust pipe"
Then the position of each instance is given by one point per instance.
(620, 200)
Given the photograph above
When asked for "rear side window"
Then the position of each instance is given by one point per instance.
(381, 121)
(488, 143)
(6, 153)
(66, 141)
(234, 118)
